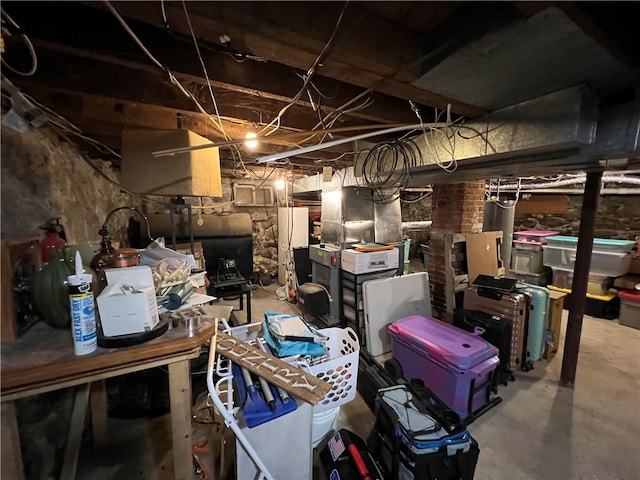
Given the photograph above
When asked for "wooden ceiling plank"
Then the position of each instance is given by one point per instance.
(297, 51)
(93, 111)
(52, 29)
(84, 75)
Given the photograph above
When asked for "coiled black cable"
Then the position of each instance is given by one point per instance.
(386, 168)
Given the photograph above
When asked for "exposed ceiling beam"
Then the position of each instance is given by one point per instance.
(102, 114)
(373, 54)
(99, 37)
(85, 75)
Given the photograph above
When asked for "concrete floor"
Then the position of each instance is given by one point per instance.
(540, 431)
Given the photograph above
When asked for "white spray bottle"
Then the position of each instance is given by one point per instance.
(83, 315)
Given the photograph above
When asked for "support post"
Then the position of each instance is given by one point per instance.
(580, 278)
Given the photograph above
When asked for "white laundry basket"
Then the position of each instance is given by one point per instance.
(340, 370)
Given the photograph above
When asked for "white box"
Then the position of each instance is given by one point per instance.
(138, 276)
(128, 303)
(366, 262)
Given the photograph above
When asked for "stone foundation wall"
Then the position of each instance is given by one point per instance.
(618, 217)
(45, 177)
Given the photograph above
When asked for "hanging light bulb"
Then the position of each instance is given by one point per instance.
(279, 184)
(250, 144)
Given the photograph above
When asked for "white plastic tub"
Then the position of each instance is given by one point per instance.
(606, 263)
(323, 423)
(599, 244)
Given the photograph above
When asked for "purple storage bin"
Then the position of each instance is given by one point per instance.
(447, 359)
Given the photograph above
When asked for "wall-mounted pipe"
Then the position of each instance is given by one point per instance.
(571, 181)
(425, 225)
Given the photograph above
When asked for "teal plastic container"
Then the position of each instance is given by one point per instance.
(599, 244)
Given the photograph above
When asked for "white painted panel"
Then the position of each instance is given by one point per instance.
(390, 299)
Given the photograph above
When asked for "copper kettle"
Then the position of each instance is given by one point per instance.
(108, 257)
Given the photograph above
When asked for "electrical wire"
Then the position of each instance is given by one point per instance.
(204, 68)
(32, 51)
(306, 78)
(451, 165)
(172, 78)
(385, 169)
(496, 199)
(217, 120)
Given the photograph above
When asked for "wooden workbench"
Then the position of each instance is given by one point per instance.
(42, 360)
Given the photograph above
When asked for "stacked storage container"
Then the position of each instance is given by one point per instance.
(630, 308)
(609, 258)
(527, 257)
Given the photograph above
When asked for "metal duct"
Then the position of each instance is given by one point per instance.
(559, 121)
(411, 226)
(500, 217)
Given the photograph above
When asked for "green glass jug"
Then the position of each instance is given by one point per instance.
(49, 291)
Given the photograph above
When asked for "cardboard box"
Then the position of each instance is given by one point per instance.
(483, 254)
(194, 173)
(128, 303)
(634, 264)
(365, 262)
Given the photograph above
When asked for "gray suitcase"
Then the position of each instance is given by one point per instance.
(512, 306)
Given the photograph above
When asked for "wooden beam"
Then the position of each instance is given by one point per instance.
(180, 401)
(107, 129)
(11, 465)
(282, 374)
(56, 28)
(126, 113)
(580, 279)
(295, 33)
(417, 16)
(82, 75)
(542, 204)
(74, 435)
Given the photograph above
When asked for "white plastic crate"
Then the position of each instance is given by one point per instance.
(526, 261)
(340, 370)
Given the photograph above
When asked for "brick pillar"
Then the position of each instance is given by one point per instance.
(455, 208)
